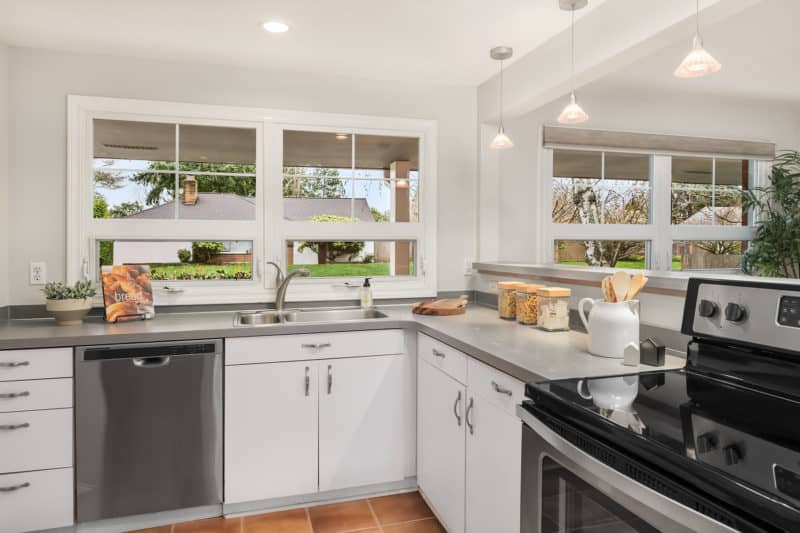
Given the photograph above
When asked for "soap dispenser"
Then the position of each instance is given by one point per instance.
(366, 294)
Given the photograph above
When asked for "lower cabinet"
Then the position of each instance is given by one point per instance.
(306, 426)
(469, 444)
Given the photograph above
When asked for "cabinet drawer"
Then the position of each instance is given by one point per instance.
(279, 348)
(35, 364)
(36, 500)
(495, 386)
(35, 394)
(442, 356)
(45, 442)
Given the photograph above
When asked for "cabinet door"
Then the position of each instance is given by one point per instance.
(270, 430)
(494, 464)
(440, 441)
(360, 421)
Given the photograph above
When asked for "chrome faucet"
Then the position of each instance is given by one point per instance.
(282, 283)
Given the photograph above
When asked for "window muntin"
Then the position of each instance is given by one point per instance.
(356, 258)
(182, 260)
(601, 253)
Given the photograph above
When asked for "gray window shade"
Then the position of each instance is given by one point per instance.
(556, 136)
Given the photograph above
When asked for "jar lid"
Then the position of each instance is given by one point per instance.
(513, 285)
(530, 288)
(554, 291)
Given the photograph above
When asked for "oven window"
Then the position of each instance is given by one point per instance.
(569, 505)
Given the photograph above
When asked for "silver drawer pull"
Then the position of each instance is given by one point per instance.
(12, 488)
(437, 353)
(470, 407)
(14, 394)
(10, 427)
(307, 381)
(330, 378)
(316, 346)
(501, 390)
(14, 364)
(457, 408)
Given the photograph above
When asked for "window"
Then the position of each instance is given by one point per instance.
(208, 195)
(638, 210)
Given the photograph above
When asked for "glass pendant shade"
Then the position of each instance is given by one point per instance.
(501, 141)
(698, 63)
(573, 113)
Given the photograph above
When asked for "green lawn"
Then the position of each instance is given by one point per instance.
(636, 265)
(192, 271)
(333, 270)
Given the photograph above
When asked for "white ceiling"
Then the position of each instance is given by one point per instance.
(426, 41)
(758, 49)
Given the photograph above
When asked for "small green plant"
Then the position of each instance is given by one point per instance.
(184, 255)
(203, 251)
(55, 290)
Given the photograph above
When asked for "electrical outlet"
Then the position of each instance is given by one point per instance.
(38, 273)
(467, 267)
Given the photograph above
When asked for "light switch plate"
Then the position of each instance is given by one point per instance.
(467, 267)
(38, 273)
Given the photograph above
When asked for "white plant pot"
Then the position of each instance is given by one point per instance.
(69, 312)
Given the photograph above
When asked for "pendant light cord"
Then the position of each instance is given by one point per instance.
(572, 58)
(697, 18)
(501, 93)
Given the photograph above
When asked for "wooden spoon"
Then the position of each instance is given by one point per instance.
(621, 282)
(637, 283)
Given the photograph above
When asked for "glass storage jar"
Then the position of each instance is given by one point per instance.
(527, 310)
(553, 308)
(506, 301)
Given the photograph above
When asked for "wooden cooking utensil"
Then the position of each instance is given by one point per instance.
(608, 292)
(448, 307)
(620, 282)
(638, 281)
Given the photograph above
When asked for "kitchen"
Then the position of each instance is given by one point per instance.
(260, 179)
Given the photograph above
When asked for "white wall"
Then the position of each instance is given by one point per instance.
(4, 219)
(41, 80)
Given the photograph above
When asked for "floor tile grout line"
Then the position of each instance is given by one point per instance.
(374, 516)
(308, 518)
(413, 520)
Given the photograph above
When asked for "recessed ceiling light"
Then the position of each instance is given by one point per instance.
(275, 26)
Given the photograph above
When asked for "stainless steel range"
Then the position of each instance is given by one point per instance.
(712, 447)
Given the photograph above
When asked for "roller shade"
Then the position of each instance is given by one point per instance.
(560, 137)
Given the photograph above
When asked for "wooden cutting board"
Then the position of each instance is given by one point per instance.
(448, 307)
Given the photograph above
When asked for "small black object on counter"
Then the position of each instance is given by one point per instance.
(652, 352)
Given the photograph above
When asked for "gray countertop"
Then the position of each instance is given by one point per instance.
(529, 354)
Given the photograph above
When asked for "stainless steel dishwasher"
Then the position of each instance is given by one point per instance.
(148, 427)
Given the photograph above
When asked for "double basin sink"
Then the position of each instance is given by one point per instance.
(269, 317)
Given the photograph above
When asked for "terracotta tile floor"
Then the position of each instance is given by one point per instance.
(398, 513)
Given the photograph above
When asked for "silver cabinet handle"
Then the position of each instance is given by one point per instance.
(308, 382)
(437, 353)
(12, 488)
(10, 427)
(14, 364)
(15, 394)
(330, 379)
(316, 346)
(470, 425)
(457, 408)
(500, 389)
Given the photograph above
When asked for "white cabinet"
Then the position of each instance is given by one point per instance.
(270, 430)
(469, 443)
(31, 501)
(441, 444)
(360, 422)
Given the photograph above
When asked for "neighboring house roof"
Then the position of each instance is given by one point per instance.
(730, 214)
(228, 206)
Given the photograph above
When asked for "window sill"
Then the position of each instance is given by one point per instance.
(659, 282)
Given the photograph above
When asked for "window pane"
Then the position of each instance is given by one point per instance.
(587, 191)
(732, 179)
(706, 255)
(605, 253)
(317, 172)
(217, 149)
(326, 259)
(205, 197)
(133, 164)
(182, 260)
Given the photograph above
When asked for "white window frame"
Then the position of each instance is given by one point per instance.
(659, 233)
(269, 231)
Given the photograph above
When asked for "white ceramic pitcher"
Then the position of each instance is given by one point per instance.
(611, 326)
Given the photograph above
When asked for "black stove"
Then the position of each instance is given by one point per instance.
(722, 435)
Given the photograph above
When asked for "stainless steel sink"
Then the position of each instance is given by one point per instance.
(269, 318)
(333, 315)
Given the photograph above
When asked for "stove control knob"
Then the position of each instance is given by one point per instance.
(707, 308)
(732, 454)
(706, 442)
(735, 313)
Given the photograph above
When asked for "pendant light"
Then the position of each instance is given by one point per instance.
(501, 141)
(699, 62)
(573, 113)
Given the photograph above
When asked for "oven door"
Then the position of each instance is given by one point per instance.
(565, 489)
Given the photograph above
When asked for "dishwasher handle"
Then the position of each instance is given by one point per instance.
(151, 362)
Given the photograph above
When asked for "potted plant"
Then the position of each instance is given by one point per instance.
(68, 304)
